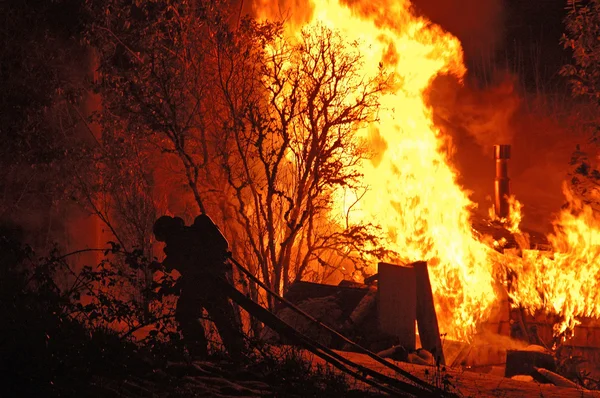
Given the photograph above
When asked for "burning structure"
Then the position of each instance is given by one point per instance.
(339, 138)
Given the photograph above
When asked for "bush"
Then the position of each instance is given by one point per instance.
(45, 351)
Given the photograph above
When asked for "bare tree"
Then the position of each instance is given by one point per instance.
(159, 67)
(293, 145)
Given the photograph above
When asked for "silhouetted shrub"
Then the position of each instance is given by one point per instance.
(43, 350)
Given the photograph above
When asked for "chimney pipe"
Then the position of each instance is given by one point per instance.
(502, 182)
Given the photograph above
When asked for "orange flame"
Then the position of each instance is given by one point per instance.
(565, 282)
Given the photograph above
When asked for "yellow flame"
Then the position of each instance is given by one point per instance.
(515, 214)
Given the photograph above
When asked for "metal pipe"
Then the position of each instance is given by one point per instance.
(502, 182)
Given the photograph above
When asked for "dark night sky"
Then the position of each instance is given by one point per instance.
(521, 34)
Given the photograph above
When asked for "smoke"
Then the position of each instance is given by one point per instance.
(475, 119)
(542, 130)
(478, 24)
(487, 114)
(490, 348)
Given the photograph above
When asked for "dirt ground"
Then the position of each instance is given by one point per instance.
(206, 379)
(472, 384)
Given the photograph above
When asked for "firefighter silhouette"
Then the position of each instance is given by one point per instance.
(199, 253)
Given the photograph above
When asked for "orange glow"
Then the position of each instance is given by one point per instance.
(413, 190)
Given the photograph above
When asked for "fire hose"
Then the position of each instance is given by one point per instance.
(272, 321)
(392, 385)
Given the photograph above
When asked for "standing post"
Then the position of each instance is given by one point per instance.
(502, 182)
(396, 303)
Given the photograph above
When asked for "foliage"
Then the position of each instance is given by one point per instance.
(581, 37)
(60, 327)
(115, 187)
(45, 350)
(585, 178)
(106, 295)
(291, 373)
(54, 345)
(157, 78)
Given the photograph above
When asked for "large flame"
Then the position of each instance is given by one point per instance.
(414, 194)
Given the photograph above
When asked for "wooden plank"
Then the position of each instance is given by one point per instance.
(363, 308)
(396, 303)
(429, 331)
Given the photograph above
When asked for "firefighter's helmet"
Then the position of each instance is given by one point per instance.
(165, 226)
